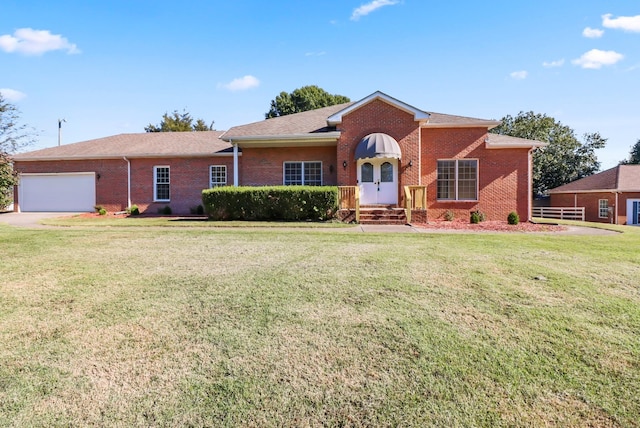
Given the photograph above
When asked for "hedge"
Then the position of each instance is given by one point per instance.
(292, 203)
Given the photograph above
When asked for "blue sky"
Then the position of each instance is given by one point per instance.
(111, 67)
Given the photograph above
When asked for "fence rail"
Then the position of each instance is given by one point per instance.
(562, 213)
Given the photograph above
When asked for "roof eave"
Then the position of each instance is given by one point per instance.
(533, 145)
(488, 125)
(128, 156)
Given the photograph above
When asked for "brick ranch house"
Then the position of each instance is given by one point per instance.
(611, 196)
(380, 151)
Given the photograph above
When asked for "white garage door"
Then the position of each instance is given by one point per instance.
(57, 192)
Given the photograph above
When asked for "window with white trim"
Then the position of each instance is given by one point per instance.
(458, 180)
(603, 208)
(217, 175)
(161, 180)
(302, 173)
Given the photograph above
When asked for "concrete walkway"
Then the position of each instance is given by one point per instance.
(28, 219)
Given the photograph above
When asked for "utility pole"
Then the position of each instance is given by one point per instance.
(60, 129)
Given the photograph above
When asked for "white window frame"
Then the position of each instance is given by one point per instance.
(603, 208)
(217, 184)
(303, 164)
(155, 183)
(457, 180)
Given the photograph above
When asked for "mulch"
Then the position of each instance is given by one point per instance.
(490, 226)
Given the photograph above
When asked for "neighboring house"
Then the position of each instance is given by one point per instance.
(378, 150)
(611, 196)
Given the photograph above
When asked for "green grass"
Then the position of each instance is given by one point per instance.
(239, 327)
(144, 221)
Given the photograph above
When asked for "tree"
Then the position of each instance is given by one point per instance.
(634, 154)
(564, 159)
(179, 122)
(303, 99)
(13, 137)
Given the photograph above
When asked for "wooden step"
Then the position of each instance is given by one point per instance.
(382, 215)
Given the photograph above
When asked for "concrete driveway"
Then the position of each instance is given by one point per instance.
(28, 219)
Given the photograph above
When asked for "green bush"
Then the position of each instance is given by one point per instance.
(449, 215)
(477, 216)
(98, 208)
(289, 203)
(166, 210)
(102, 211)
(513, 218)
(133, 210)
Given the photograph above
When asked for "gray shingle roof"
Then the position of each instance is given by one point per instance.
(148, 144)
(307, 122)
(623, 178)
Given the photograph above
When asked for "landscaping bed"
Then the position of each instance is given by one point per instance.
(490, 226)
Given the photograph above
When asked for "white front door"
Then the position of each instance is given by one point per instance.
(633, 212)
(378, 181)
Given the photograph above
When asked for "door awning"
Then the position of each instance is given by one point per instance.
(378, 145)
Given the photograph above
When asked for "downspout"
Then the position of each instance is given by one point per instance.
(530, 186)
(616, 209)
(128, 181)
(235, 163)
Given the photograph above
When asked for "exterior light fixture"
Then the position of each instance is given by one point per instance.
(411, 163)
(344, 164)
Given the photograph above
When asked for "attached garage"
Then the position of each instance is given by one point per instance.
(70, 192)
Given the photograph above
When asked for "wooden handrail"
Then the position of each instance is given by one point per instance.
(408, 203)
(357, 203)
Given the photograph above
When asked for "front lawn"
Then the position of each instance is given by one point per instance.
(223, 327)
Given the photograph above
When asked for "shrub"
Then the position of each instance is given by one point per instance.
(199, 210)
(98, 208)
(102, 211)
(513, 218)
(290, 203)
(133, 210)
(477, 216)
(449, 216)
(166, 210)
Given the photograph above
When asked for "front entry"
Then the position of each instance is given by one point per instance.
(378, 181)
(633, 212)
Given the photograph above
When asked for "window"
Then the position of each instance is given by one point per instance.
(386, 173)
(161, 183)
(217, 175)
(603, 208)
(303, 173)
(458, 180)
(366, 173)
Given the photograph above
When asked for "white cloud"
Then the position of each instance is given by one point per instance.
(519, 75)
(595, 59)
(12, 94)
(321, 53)
(28, 41)
(551, 64)
(626, 23)
(241, 83)
(592, 33)
(367, 8)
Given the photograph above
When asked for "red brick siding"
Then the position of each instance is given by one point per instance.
(265, 166)
(590, 202)
(379, 116)
(188, 177)
(503, 173)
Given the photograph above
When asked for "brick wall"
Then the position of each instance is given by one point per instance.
(188, 177)
(503, 173)
(265, 166)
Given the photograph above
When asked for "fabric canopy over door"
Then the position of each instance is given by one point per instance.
(57, 192)
(378, 145)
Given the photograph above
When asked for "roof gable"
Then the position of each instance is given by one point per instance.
(418, 115)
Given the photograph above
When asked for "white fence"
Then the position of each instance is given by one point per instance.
(562, 213)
